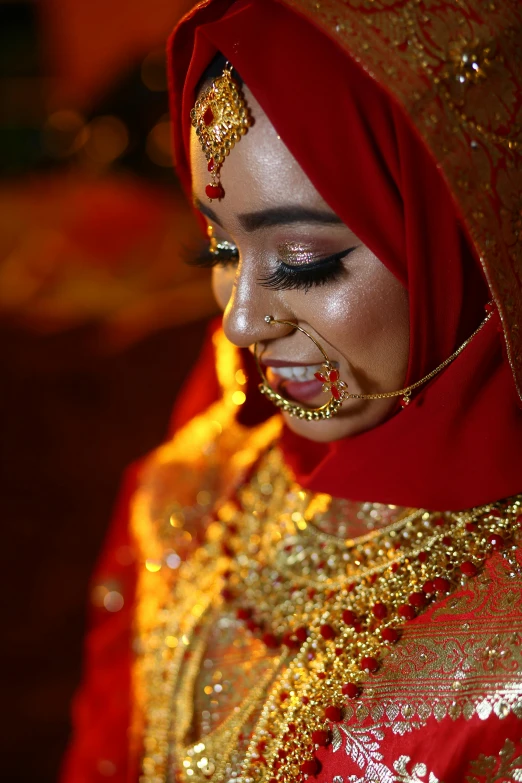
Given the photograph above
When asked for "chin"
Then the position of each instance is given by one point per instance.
(323, 431)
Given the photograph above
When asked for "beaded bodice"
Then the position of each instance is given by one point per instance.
(280, 619)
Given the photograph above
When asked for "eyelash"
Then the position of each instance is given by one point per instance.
(286, 277)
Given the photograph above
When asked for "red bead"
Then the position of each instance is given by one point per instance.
(327, 632)
(321, 675)
(441, 584)
(422, 557)
(210, 166)
(395, 567)
(283, 696)
(405, 402)
(368, 664)
(208, 116)
(336, 394)
(468, 568)
(311, 767)
(389, 635)
(227, 594)
(301, 633)
(447, 540)
(349, 617)
(406, 611)
(320, 377)
(321, 737)
(333, 376)
(339, 650)
(351, 690)
(417, 599)
(379, 610)
(270, 640)
(289, 640)
(335, 714)
(243, 613)
(496, 541)
(305, 700)
(471, 527)
(429, 587)
(214, 191)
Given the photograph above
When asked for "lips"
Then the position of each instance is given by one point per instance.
(296, 381)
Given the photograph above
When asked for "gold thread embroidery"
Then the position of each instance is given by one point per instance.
(507, 766)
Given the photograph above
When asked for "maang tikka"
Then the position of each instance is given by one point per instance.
(220, 117)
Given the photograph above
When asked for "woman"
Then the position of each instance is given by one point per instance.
(334, 592)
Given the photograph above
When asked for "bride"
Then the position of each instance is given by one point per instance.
(324, 581)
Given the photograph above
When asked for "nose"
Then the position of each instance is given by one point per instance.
(244, 318)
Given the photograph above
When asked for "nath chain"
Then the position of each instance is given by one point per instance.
(338, 389)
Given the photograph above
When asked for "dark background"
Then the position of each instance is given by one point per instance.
(96, 335)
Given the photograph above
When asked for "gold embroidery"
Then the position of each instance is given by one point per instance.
(507, 766)
(455, 68)
(417, 774)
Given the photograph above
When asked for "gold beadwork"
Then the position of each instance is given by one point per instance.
(220, 117)
(262, 560)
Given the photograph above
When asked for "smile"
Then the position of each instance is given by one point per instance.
(299, 373)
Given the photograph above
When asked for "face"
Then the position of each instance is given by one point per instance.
(292, 258)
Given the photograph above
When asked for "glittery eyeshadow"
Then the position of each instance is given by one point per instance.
(296, 254)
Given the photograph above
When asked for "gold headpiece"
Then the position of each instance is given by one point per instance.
(220, 117)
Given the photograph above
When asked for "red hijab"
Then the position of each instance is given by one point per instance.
(459, 443)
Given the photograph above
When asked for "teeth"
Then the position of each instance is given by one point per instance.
(298, 373)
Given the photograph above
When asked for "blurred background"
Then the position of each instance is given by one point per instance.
(100, 321)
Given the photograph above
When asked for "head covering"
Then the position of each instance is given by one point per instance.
(459, 442)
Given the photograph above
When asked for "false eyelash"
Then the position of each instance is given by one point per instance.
(206, 260)
(286, 277)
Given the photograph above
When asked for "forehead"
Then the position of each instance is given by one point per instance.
(260, 172)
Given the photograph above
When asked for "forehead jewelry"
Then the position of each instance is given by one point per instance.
(220, 117)
(338, 389)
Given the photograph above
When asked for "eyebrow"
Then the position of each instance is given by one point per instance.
(275, 216)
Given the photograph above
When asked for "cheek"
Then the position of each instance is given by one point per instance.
(222, 284)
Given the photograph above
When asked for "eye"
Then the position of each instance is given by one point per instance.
(306, 276)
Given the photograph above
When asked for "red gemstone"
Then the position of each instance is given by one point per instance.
(441, 585)
(282, 753)
(394, 568)
(270, 640)
(335, 714)
(406, 611)
(349, 617)
(333, 376)
(379, 610)
(339, 650)
(214, 191)
(311, 767)
(468, 568)
(429, 587)
(301, 633)
(327, 632)
(369, 664)
(283, 696)
(291, 728)
(489, 307)
(405, 402)
(389, 635)
(321, 737)
(252, 625)
(261, 746)
(422, 557)
(471, 527)
(495, 513)
(336, 394)
(496, 541)
(321, 675)
(227, 594)
(208, 116)
(417, 599)
(351, 690)
(243, 613)
(305, 700)
(210, 166)
(320, 377)
(289, 640)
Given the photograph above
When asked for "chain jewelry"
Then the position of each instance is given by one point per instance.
(337, 388)
(220, 117)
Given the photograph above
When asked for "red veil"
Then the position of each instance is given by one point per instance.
(459, 443)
